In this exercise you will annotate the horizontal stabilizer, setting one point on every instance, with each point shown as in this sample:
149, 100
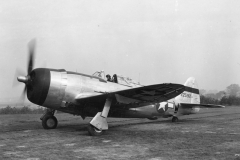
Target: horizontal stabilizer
190, 105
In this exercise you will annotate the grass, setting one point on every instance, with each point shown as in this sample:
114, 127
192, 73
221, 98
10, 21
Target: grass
211, 134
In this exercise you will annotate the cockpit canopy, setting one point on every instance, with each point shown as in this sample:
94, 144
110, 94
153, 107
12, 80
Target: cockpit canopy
117, 79
100, 74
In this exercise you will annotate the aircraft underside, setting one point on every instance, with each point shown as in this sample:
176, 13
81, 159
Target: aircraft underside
150, 111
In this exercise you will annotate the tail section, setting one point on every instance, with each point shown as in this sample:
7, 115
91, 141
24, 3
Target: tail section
189, 101
191, 93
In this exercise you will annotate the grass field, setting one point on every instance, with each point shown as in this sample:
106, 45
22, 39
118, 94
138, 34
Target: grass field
211, 134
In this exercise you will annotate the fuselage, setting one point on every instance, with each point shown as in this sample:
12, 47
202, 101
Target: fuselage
59, 89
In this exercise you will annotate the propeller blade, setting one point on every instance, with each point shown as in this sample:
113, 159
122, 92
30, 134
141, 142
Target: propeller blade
18, 72
22, 98
31, 46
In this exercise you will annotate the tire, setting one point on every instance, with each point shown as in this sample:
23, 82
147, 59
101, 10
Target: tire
49, 122
174, 119
93, 131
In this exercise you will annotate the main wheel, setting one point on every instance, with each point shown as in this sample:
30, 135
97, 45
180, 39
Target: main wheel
174, 119
93, 131
49, 122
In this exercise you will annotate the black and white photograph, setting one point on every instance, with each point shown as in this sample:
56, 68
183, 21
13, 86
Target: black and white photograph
120, 80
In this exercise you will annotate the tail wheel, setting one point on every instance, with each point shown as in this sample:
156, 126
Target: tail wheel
93, 131
49, 122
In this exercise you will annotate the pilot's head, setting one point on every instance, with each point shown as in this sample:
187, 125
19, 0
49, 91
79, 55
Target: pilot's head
108, 77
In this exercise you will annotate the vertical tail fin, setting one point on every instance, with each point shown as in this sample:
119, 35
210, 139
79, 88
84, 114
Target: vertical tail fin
191, 93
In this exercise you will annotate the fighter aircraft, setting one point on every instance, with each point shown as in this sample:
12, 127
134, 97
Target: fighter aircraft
100, 96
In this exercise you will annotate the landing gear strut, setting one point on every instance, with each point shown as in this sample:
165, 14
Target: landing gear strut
49, 121
175, 118
99, 123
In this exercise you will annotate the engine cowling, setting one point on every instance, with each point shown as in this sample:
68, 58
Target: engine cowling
46, 87
38, 85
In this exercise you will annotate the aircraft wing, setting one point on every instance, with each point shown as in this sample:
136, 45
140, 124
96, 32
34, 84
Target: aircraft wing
152, 93
190, 105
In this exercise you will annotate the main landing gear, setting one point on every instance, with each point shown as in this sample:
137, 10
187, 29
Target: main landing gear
49, 121
175, 118
99, 123
93, 131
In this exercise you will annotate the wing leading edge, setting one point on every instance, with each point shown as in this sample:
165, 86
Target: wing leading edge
152, 93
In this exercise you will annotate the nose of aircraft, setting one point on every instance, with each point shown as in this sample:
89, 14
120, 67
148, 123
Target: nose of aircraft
37, 85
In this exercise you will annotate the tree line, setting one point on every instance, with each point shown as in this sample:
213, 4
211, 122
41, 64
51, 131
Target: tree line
22, 110
229, 97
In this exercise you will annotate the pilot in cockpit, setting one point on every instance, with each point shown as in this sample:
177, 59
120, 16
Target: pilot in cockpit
108, 78
114, 78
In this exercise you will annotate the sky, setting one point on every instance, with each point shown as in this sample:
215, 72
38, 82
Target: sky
151, 41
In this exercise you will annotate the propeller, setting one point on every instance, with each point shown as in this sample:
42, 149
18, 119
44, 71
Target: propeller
31, 46
20, 74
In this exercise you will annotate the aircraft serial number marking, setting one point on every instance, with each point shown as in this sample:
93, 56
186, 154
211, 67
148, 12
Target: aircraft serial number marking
186, 95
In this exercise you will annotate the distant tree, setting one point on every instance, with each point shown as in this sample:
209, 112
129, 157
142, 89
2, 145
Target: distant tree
230, 100
233, 90
231, 96
220, 94
208, 100
5, 110
211, 95
234, 100
238, 94
224, 101
23, 110
217, 95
